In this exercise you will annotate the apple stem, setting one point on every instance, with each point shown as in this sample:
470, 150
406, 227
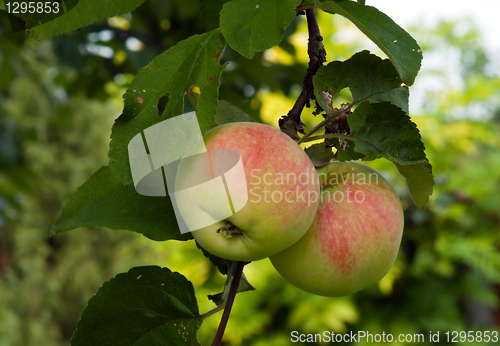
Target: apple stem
229, 303
229, 230
310, 138
329, 135
310, 133
331, 117
211, 312
291, 122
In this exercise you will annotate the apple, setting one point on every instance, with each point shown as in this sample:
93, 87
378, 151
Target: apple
281, 184
355, 237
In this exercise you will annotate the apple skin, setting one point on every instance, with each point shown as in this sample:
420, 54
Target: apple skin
355, 237
268, 225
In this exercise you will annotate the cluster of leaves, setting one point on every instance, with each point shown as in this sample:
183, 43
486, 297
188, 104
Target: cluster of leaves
379, 127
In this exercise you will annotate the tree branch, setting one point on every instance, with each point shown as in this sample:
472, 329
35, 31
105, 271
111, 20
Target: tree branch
291, 123
229, 303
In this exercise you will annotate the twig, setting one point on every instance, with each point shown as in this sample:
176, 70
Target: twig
333, 116
310, 133
291, 123
211, 312
229, 303
330, 135
343, 136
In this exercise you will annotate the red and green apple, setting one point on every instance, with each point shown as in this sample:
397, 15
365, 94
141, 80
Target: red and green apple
354, 238
282, 188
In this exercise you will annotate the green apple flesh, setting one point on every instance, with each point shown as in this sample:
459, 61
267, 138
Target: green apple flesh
355, 237
282, 187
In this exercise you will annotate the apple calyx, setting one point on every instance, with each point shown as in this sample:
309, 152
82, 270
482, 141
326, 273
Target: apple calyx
229, 230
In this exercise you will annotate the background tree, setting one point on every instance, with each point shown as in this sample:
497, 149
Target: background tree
60, 96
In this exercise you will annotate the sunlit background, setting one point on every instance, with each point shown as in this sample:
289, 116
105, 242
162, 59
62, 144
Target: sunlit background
59, 98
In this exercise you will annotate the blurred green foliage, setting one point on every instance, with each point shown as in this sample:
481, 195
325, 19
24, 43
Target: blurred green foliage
58, 100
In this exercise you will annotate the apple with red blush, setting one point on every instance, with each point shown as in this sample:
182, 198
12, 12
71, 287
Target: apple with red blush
281, 184
354, 238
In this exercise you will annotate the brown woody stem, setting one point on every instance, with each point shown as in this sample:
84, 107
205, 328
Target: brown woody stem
229, 303
291, 123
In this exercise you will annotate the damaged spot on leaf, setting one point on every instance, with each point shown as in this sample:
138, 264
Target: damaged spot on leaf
140, 99
162, 103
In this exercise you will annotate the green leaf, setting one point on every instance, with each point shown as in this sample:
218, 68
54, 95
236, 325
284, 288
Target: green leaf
146, 306
228, 113
251, 26
243, 286
384, 130
319, 154
210, 13
400, 47
419, 180
194, 61
84, 12
103, 201
221, 263
367, 76
347, 153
